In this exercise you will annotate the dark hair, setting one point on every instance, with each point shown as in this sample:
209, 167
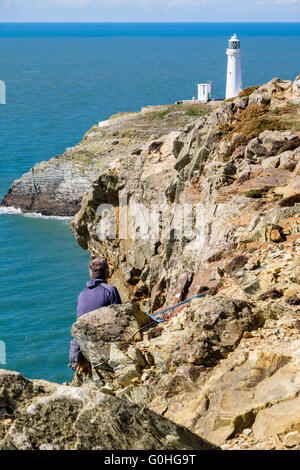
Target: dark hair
99, 268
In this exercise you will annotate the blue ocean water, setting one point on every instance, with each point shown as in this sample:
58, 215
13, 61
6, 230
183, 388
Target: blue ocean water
61, 79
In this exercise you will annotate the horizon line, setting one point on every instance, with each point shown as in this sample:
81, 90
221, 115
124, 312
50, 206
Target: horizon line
148, 22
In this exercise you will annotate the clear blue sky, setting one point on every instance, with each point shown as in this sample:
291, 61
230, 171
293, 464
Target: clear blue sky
149, 10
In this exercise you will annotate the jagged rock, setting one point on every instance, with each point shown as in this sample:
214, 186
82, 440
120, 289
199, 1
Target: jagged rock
270, 294
125, 369
292, 439
240, 103
59, 417
103, 334
277, 235
196, 177
214, 326
189, 370
288, 160
14, 390
230, 169
236, 263
248, 282
293, 300
267, 93
271, 162
278, 419
269, 143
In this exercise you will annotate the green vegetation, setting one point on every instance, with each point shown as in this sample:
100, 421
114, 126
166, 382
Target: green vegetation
196, 112
255, 193
163, 114
160, 114
128, 133
184, 109
248, 91
290, 108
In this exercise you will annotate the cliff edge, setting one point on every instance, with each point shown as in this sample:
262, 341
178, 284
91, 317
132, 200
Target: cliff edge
56, 187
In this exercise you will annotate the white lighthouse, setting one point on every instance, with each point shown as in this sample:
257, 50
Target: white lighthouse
234, 68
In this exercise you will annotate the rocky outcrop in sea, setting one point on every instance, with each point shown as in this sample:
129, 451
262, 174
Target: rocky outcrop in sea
211, 203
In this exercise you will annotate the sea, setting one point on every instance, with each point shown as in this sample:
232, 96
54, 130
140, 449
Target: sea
60, 80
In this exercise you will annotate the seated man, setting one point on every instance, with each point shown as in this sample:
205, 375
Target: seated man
97, 294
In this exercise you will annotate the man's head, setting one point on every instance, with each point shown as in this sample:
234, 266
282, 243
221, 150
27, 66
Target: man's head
99, 269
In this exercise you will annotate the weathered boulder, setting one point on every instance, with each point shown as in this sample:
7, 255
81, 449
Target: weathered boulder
269, 92
213, 327
269, 143
104, 334
281, 418
60, 417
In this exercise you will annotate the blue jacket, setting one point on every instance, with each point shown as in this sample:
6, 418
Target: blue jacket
97, 294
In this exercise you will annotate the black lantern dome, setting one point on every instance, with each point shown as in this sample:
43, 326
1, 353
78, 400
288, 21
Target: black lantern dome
234, 42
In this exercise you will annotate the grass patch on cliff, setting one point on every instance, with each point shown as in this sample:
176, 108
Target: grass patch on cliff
163, 114
256, 126
248, 91
160, 115
251, 122
256, 193
290, 117
198, 112
183, 109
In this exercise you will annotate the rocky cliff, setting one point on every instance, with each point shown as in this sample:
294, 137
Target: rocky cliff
227, 187
196, 199
56, 187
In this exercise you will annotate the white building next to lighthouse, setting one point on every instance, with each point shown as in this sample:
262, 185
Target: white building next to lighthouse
204, 92
234, 68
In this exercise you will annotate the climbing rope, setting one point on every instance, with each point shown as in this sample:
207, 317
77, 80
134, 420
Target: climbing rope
167, 314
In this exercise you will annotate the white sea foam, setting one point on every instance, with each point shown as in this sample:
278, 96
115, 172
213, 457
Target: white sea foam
33, 215
10, 210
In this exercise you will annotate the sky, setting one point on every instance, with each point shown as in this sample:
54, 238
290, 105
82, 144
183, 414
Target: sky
149, 10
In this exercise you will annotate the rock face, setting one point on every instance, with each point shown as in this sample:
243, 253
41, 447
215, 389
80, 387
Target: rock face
239, 168
220, 367
56, 187
236, 174
207, 203
120, 358
38, 415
